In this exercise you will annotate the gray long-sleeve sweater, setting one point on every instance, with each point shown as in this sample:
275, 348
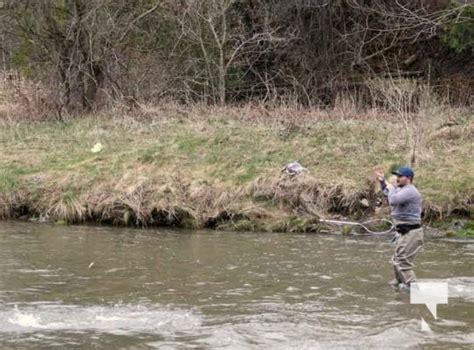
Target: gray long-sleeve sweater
405, 203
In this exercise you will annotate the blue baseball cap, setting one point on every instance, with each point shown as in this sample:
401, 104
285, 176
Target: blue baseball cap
404, 171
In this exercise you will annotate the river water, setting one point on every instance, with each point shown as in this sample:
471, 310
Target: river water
96, 287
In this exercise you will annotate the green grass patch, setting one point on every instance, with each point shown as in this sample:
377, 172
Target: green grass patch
10, 175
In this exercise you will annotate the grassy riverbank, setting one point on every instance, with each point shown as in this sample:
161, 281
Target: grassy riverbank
221, 168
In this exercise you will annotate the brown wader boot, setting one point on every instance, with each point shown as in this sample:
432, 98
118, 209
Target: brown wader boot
407, 246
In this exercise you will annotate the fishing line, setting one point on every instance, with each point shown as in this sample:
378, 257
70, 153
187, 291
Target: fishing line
363, 225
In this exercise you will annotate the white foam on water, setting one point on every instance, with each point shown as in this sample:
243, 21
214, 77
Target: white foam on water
24, 320
325, 277
33, 271
116, 319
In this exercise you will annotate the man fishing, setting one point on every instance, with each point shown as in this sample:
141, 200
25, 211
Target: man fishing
405, 202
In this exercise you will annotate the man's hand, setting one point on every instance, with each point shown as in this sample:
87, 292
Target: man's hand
379, 175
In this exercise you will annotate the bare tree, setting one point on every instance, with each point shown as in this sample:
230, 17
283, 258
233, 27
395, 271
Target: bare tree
83, 43
215, 30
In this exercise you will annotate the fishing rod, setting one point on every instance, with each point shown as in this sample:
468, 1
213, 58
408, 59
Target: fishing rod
363, 225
